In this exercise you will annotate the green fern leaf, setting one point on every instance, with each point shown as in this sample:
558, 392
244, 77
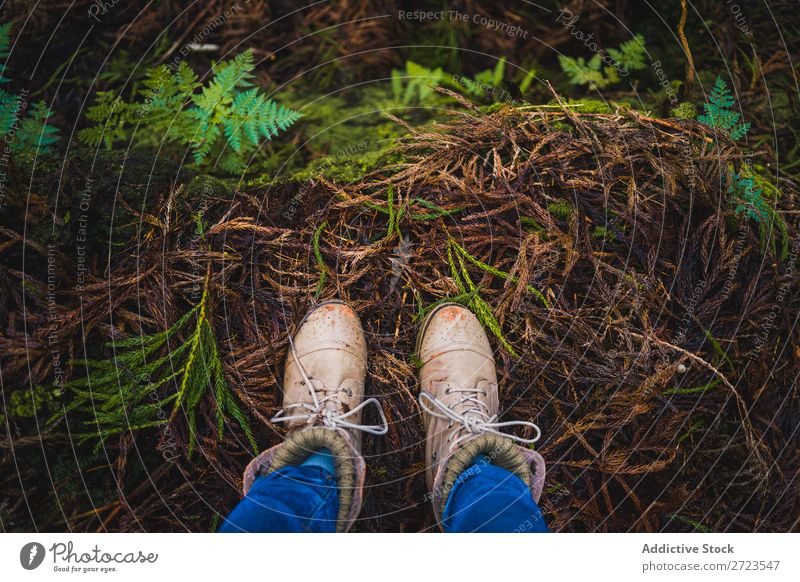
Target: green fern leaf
175, 107
630, 54
9, 107
749, 198
582, 73
5, 43
34, 135
718, 112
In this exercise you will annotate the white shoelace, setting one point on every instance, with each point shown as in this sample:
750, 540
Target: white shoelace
475, 420
328, 417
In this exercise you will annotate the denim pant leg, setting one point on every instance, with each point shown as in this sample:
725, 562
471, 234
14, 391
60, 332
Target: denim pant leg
488, 498
301, 498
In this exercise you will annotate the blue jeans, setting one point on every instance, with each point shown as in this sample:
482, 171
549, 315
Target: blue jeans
484, 498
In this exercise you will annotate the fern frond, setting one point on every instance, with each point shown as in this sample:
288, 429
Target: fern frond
253, 117
630, 54
175, 107
488, 78
5, 43
718, 112
9, 107
748, 197
749, 200
112, 114
34, 134
5, 39
416, 84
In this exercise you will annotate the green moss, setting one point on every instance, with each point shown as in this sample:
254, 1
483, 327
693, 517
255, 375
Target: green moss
26, 403
345, 169
203, 186
494, 107
562, 125
591, 106
685, 110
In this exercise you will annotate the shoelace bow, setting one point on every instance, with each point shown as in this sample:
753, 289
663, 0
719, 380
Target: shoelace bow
330, 418
476, 419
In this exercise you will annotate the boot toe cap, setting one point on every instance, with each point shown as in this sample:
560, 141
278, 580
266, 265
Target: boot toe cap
452, 327
331, 325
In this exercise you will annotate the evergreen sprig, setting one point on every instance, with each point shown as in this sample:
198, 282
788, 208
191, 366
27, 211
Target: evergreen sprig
320, 260
461, 251
34, 135
126, 392
469, 295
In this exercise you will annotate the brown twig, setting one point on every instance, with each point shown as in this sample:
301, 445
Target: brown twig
689, 76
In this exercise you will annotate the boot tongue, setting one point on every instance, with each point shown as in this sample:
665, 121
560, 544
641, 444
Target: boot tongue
323, 392
456, 398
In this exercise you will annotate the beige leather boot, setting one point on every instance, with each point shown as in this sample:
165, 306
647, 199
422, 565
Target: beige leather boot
460, 404
323, 401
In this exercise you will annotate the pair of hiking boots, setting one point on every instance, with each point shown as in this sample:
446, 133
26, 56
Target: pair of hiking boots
323, 404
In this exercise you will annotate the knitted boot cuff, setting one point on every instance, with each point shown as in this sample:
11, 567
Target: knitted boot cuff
302, 444
501, 452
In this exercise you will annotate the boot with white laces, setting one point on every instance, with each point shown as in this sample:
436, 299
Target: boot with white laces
323, 402
460, 404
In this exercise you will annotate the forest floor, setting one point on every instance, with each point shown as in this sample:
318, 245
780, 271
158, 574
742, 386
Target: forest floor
634, 265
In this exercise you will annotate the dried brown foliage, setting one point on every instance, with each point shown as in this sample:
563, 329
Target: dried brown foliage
632, 308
